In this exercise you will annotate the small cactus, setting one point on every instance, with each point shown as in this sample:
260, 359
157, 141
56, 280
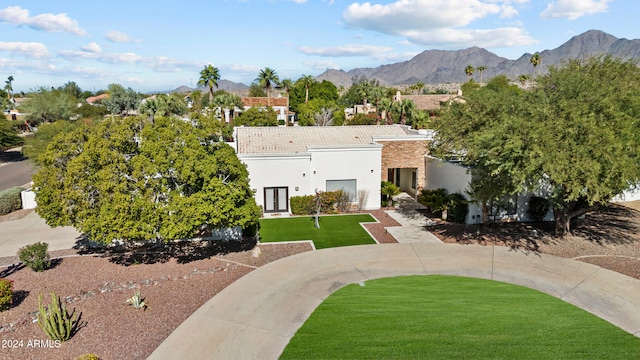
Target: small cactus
55, 320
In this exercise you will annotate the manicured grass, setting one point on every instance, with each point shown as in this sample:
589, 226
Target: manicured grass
445, 317
342, 230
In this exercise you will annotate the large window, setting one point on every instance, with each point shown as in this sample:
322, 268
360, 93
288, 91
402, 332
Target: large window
276, 199
347, 185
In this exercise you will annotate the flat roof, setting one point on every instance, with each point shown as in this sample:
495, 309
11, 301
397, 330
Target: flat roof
295, 139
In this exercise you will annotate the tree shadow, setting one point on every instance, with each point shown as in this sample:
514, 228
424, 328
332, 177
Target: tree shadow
182, 251
613, 224
516, 236
12, 269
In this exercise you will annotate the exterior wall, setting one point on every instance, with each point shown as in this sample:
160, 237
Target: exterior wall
341, 163
455, 178
404, 154
281, 170
302, 174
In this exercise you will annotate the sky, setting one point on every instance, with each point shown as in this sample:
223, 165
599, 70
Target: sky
161, 45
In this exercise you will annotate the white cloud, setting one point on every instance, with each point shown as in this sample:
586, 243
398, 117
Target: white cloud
27, 49
92, 47
404, 15
119, 37
16, 15
299, 1
573, 9
454, 38
321, 65
439, 22
167, 64
345, 50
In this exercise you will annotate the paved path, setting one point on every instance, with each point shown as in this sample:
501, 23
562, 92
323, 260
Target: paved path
412, 229
255, 317
15, 234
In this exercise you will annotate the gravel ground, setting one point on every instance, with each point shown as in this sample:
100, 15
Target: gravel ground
609, 238
178, 283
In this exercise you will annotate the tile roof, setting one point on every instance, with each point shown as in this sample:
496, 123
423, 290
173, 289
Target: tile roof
264, 101
429, 102
295, 139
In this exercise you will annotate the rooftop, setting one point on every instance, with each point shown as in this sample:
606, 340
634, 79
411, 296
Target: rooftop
295, 139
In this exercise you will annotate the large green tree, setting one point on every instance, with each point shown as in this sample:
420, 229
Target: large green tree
257, 116
575, 135
121, 100
133, 180
8, 136
37, 144
46, 105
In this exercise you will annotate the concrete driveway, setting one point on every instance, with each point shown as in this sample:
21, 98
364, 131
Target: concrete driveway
15, 234
255, 317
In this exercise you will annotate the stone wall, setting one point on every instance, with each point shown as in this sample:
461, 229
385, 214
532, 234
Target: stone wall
404, 154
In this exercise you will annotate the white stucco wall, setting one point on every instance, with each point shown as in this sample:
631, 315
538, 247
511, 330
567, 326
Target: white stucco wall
306, 172
278, 170
455, 179
353, 162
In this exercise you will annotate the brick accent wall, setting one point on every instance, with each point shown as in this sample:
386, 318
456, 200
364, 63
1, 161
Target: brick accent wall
404, 154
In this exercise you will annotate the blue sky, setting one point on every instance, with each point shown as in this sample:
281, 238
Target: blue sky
163, 44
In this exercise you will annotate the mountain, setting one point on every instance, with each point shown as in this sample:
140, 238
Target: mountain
439, 66
222, 85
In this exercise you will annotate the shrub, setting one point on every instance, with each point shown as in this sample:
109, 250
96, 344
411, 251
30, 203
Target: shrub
10, 200
55, 320
388, 191
302, 205
538, 208
35, 256
435, 200
6, 294
343, 201
458, 208
88, 357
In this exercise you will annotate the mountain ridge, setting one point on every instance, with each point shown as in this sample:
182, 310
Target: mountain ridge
447, 66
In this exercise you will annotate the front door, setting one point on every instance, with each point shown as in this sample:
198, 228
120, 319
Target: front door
276, 199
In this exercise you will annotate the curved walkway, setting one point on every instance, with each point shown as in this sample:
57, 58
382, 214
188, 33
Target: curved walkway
255, 317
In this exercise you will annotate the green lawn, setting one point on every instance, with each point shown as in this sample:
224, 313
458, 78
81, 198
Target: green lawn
342, 230
445, 317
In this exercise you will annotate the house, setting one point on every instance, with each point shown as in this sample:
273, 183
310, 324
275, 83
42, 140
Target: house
279, 104
429, 102
291, 161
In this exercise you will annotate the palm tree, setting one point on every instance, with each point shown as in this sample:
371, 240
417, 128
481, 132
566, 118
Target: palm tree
469, 70
481, 70
307, 80
386, 107
286, 84
229, 102
535, 61
404, 108
8, 87
266, 77
209, 76
523, 79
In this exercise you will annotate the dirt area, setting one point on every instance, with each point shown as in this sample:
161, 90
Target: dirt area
96, 287
177, 282
609, 238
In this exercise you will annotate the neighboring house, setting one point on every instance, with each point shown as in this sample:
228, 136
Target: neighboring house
93, 99
359, 109
279, 104
291, 161
430, 102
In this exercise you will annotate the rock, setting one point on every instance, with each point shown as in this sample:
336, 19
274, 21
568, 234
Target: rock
256, 252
